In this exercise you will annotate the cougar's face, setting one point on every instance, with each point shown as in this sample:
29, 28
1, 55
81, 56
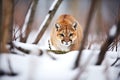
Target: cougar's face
66, 33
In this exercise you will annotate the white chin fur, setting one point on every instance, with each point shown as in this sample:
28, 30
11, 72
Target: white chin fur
66, 43
63, 46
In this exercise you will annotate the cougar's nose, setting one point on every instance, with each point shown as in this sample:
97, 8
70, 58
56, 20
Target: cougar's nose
66, 40
66, 43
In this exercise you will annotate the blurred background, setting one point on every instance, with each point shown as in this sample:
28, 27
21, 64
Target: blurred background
104, 17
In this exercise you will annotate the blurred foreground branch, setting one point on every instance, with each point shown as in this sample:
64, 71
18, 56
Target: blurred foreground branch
86, 30
48, 19
6, 25
10, 70
107, 43
0, 24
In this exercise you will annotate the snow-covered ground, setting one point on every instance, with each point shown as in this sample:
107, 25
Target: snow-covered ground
34, 66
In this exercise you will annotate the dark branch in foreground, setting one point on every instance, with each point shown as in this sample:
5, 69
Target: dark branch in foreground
116, 61
20, 48
108, 42
2, 73
89, 19
48, 19
11, 73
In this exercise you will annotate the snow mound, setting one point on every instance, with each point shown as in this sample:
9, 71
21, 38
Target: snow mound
44, 67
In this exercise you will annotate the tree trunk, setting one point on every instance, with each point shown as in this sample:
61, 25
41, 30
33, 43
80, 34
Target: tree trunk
0, 24
6, 25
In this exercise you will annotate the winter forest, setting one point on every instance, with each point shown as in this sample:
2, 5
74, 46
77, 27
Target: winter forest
26, 52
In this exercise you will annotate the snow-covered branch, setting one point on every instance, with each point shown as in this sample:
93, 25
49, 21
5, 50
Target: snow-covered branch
29, 49
48, 19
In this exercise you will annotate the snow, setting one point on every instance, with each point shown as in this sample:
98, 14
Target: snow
113, 30
42, 67
99, 73
34, 50
53, 5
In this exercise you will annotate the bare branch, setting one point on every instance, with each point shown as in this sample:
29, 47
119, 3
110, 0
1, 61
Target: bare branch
29, 25
48, 19
26, 10
89, 19
114, 44
118, 58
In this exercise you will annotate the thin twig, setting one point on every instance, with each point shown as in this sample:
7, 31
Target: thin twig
49, 44
118, 58
15, 32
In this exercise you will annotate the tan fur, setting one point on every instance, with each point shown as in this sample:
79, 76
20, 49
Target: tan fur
66, 33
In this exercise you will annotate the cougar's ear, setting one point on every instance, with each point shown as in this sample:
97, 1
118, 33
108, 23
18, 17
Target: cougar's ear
57, 26
74, 25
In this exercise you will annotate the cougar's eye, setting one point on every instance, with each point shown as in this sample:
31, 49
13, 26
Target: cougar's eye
62, 35
71, 34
